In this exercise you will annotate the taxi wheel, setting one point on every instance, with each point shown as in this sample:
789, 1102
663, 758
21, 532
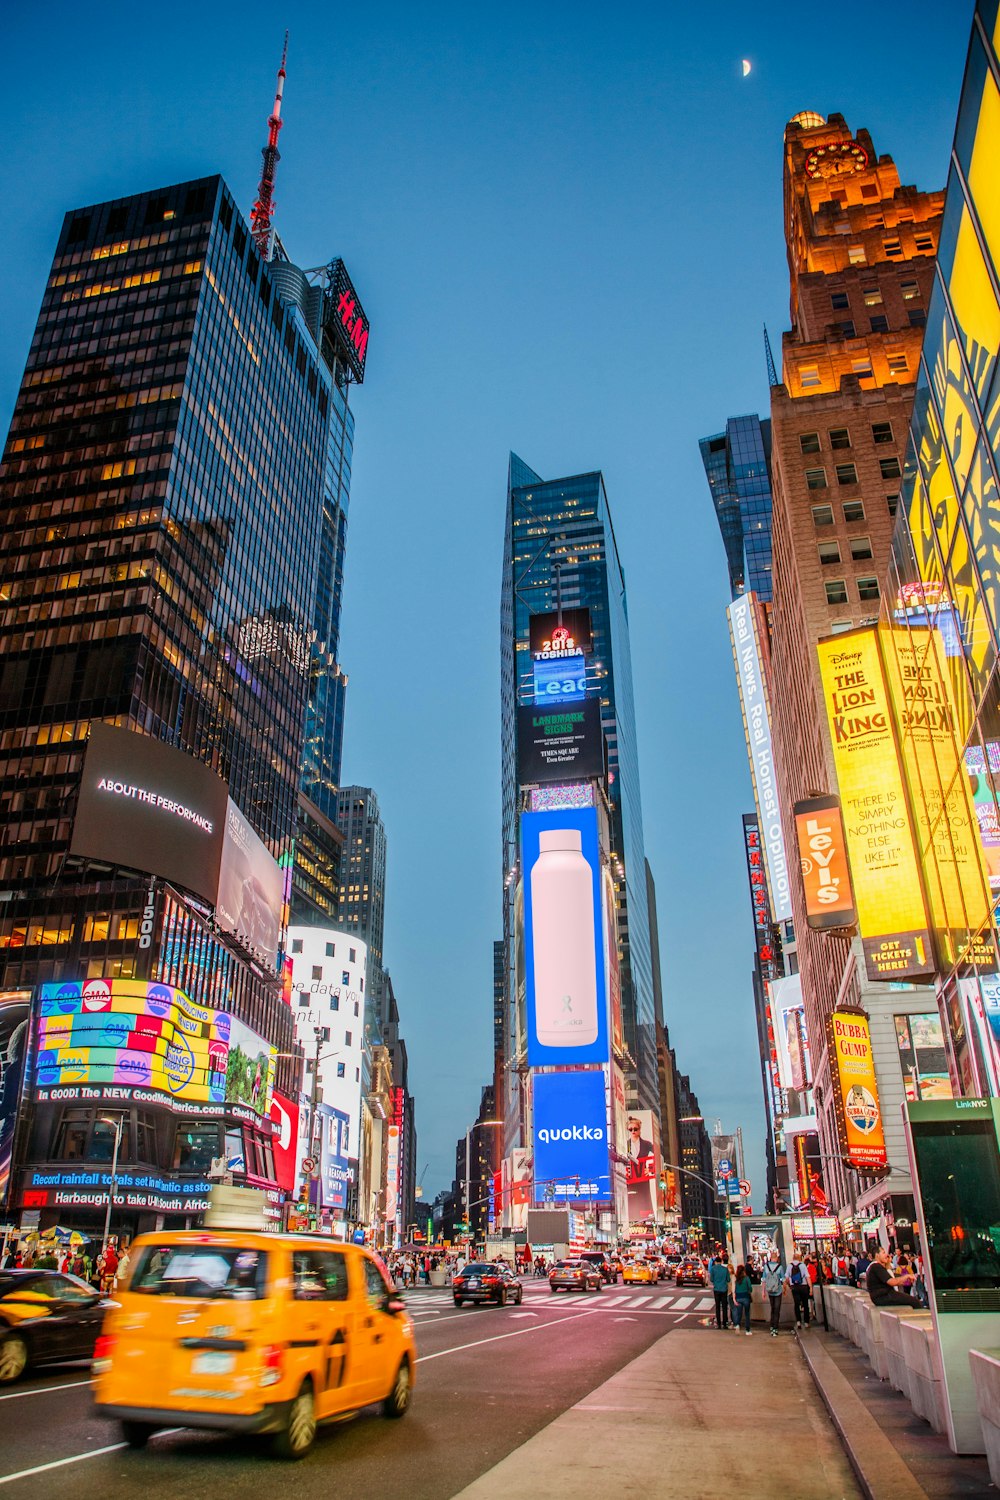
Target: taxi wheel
13, 1358
299, 1432
137, 1434
458, 1301
398, 1399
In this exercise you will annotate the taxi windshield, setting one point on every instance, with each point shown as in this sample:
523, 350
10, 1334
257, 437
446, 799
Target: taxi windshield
200, 1271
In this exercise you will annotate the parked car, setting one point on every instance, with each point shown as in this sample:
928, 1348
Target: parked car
639, 1271
575, 1276
599, 1258
690, 1273
46, 1316
482, 1281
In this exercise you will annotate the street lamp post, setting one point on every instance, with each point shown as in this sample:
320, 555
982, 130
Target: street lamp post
117, 1125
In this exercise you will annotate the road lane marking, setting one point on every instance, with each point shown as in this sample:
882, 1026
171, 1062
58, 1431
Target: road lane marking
684, 1302
638, 1301
614, 1301
495, 1339
75, 1458
40, 1390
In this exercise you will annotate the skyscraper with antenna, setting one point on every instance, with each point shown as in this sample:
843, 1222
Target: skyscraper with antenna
260, 214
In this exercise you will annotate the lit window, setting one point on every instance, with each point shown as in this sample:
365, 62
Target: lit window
840, 437
809, 442
867, 588
853, 510
816, 479
872, 296
862, 367
822, 515
910, 290
881, 432
829, 552
861, 548
836, 592
856, 255
898, 364
847, 474
809, 377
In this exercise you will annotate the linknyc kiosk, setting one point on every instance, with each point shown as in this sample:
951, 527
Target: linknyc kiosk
954, 1150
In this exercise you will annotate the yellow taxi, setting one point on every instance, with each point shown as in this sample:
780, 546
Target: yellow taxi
638, 1270
245, 1331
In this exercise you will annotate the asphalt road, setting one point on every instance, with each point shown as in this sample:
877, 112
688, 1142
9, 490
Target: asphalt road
487, 1380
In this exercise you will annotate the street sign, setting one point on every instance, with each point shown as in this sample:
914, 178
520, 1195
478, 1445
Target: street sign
744, 1187
358, 1236
309, 1164
725, 1166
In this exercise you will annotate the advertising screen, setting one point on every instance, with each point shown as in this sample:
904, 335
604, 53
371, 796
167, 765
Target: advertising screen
922, 1056
826, 876
335, 1166
135, 1189
251, 888
552, 634
888, 892
642, 1164
855, 1090
982, 762
15, 1010
757, 724
560, 743
565, 998
250, 1066
788, 1018
146, 806
572, 1163
284, 1141
561, 679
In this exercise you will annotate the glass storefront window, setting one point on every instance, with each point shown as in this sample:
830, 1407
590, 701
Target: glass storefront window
196, 1146
102, 1139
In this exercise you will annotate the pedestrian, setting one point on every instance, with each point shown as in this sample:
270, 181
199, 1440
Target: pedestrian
841, 1269
773, 1282
798, 1281
742, 1298
720, 1276
882, 1286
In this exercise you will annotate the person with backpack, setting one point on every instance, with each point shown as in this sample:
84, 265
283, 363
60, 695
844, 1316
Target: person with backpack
773, 1281
841, 1269
742, 1298
720, 1276
801, 1289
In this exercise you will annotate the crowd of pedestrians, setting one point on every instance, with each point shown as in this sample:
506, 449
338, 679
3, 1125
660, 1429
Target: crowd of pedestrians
103, 1270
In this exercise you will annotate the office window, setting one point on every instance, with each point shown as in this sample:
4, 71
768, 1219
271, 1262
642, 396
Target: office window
837, 627
341, 1069
879, 324
867, 588
856, 255
892, 246
809, 442
917, 317
816, 479
890, 468
881, 432
836, 591
840, 437
352, 955
898, 364
317, 971
872, 296
348, 1038
829, 552
924, 243
303, 997
892, 503
296, 945
331, 949
847, 474
822, 515
862, 367
839, 301
345, 977
335, 1000
861, 548
910, 291
809, 377
847, 330
853, 511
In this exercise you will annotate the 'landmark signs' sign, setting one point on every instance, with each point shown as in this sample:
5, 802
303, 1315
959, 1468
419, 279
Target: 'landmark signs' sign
563, 743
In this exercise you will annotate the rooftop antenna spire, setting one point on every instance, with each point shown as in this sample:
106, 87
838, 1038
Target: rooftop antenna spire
260, 214
772, 374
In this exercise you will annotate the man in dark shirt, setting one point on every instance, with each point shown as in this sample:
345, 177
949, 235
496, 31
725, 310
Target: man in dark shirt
881, 1286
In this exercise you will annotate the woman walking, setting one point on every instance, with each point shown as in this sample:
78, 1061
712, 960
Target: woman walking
742, 1298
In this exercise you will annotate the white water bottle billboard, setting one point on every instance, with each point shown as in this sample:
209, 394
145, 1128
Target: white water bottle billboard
563, 940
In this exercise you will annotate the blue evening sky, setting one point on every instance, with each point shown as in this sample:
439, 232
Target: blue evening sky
564, 221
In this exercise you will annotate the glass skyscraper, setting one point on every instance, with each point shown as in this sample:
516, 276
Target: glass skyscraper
560, 549
738, 468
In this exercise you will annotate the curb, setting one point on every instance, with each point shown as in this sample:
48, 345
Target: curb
880, 1471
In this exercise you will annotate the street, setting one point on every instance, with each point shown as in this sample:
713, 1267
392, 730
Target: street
488, 1380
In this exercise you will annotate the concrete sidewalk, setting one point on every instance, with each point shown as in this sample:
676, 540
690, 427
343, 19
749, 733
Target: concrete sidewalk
699, 1415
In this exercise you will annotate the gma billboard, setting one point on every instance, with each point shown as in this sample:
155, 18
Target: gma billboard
855, 1091
878, 828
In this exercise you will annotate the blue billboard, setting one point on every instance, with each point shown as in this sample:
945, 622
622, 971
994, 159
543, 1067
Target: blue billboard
571, 1137
565, 993
560, 679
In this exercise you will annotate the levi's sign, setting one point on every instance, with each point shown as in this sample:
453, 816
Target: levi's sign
826, 878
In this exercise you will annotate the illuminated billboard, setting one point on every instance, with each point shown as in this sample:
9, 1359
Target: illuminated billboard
145, 806
757, 725
922, 1056
564, 633
888, 891
560, 743
572, 1163
15, 1011
565, 997
122, 1038
788, 1019
561, 679
855, 1091
642, 1164
826, 875
251, 888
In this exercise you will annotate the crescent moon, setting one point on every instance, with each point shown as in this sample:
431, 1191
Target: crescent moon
746, 67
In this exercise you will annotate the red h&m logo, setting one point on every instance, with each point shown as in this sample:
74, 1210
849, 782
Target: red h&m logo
355, 324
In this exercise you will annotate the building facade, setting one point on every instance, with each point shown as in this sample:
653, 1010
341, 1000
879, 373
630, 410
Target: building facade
738, 469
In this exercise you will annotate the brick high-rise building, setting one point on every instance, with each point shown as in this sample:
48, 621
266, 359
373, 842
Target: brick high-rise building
861, 250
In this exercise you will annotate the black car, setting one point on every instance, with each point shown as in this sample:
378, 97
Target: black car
481, 1281
599, 1259
46, 1316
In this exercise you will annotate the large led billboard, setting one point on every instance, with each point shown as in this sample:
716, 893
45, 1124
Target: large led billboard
572, 1163
122, 1038
560, 743
145, 806
565, 997
642, 1164
564, 633
788, 1018
855, 1091
560, 679
757, 725
251, 888
826, 875
888, 890
15, 1010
